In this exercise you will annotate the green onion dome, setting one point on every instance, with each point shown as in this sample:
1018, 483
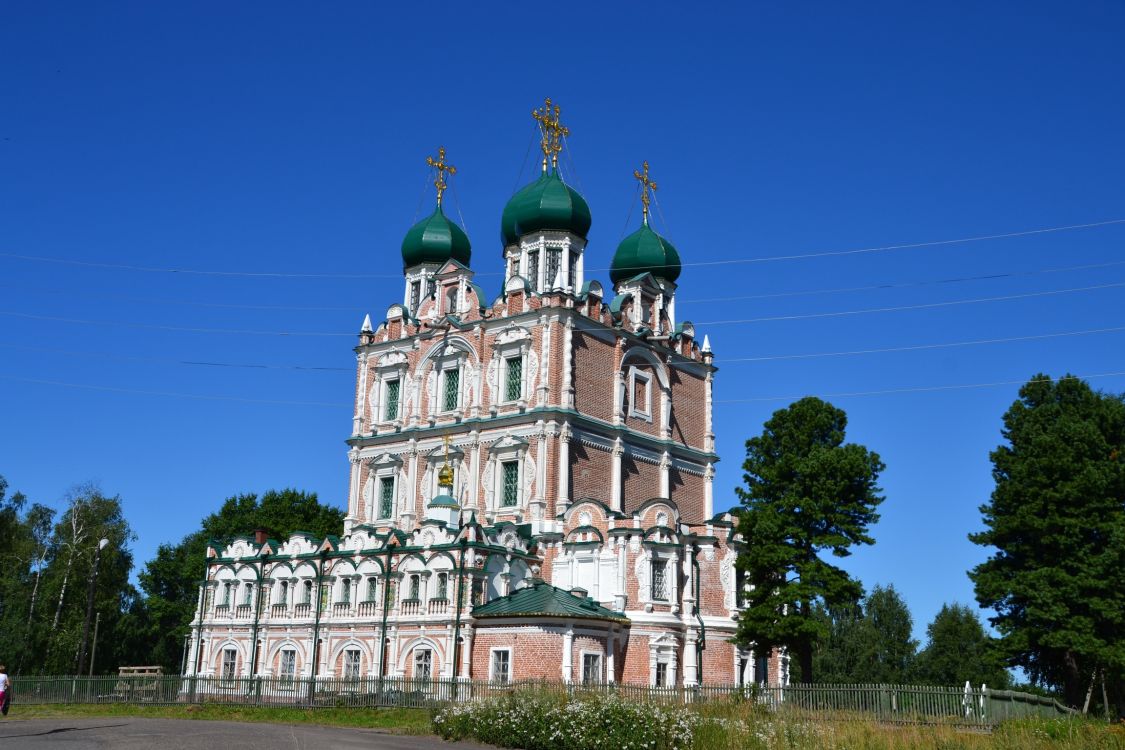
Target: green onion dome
645, 251
435, 239
547, 203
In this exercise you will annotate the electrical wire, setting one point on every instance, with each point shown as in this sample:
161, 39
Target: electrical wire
153, 326
899, 308
801, 256
921, 389
169, 394
167, 360
921, 347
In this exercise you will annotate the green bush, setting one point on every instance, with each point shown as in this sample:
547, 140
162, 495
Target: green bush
538, 721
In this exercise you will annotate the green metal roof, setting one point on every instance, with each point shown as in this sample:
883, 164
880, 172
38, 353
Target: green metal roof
547, 203
435, 239
645, 251
541, 599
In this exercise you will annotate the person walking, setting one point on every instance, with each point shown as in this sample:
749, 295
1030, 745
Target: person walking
5, 690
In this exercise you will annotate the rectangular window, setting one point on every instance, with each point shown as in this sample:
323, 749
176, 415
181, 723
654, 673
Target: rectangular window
288, 666
533, 270
324, 594
226, 595
572, 278
514, 385
661, 676
478, 592
511, 484
247, 594
415, 587
386, 496
372, 588
415, 297
423, 663
351, 664
659, 581
442, 586
501, 665
452, 390
308, 593
345, 591
554, 260
591, 669
230, 662
390, 413
283, 593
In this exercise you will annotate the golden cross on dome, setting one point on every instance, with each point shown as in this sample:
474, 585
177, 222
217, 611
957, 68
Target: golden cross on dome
442, 167
646, 186
551, 129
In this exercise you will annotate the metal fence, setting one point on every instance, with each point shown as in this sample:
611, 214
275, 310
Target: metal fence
895, 703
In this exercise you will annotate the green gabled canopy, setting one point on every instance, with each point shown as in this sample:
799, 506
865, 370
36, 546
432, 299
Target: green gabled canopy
541, 599
435, 239
444, 501
547, 203
645, 251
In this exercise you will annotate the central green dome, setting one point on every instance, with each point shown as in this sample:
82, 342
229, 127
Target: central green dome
645, 251
547, 203
435, 239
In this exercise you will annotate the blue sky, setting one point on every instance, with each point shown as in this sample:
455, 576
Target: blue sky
291, 138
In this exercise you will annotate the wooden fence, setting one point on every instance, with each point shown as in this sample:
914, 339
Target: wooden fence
895, 703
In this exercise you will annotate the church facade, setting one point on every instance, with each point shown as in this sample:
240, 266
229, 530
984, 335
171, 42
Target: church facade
530, 489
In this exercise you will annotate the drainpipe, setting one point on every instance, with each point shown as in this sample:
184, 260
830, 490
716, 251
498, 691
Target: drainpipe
316, 623
386, 611
699, 617
457, 620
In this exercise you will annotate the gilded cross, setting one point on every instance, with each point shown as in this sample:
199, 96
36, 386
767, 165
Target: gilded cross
442, 167
646, 186
552, 131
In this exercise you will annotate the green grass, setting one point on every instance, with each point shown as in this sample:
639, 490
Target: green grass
396, 720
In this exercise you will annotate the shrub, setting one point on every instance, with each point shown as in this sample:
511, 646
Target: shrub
539, 721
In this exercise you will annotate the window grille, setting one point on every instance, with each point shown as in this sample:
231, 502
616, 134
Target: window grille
554, 260
324, 593
533, 270
386, 496
230, 662
391, 412
452, 387
443, 586
659, 581
591, 669
345, 591
501, 665
514, 387
351, 664
511, 489
288, 666
423, 664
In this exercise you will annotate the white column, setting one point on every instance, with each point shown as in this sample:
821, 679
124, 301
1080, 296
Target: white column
568, 364
708, 491
412, 484
581, 272
466, 653
618, 392
354, 494
615, 476
474, 463
568, 654
359, 420
563, 500
708, 405
544, 390
665, 470
478, 389
610, 653
691, 672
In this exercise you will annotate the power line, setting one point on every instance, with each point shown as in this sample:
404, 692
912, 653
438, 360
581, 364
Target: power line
908, 246
153, 326
170, 394
82, 293
163, 360
729, 261
924, 306
909, 284
920, 347
921, 389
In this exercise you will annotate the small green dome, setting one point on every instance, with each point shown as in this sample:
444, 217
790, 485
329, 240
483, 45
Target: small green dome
645, 251
444, 501
547, 203
435, 239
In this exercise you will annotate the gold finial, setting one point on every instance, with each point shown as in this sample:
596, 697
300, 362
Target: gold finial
646, 186
440, 165
445, 473
552, 130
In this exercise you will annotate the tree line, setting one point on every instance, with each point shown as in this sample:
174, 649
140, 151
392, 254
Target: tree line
1055, 576
49, 567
